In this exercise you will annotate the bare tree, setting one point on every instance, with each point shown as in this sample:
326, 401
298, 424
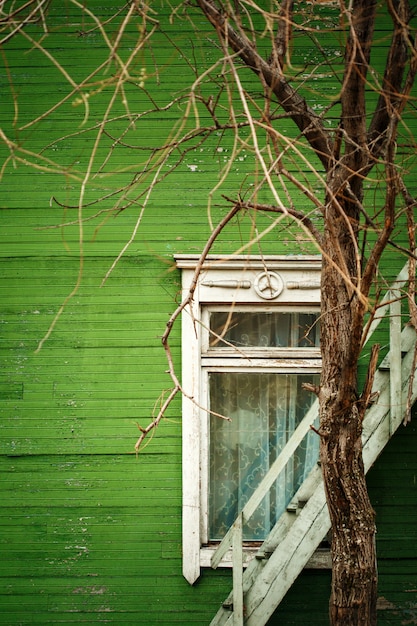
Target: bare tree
348, 155
352, 141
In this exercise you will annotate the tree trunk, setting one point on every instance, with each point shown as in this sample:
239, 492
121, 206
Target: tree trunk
354, 569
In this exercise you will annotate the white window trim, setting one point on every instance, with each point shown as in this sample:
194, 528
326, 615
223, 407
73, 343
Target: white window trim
224, 281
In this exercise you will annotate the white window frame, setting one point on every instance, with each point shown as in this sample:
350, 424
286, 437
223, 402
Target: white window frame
237, 281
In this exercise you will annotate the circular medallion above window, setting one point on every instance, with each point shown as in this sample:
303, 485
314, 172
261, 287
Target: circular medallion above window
268, 285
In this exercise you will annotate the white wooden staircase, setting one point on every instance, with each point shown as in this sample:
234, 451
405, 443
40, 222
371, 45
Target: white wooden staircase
259, 589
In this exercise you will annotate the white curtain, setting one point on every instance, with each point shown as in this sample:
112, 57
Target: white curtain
264, 329
264, 409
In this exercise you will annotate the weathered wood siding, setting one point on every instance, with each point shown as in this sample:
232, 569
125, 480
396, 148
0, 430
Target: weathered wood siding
90, 533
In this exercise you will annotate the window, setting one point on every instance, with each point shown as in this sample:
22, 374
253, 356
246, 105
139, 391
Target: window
250, 341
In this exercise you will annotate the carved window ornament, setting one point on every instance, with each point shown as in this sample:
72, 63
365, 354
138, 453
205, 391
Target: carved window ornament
250, 340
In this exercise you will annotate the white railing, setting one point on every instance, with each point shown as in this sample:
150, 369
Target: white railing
391, 305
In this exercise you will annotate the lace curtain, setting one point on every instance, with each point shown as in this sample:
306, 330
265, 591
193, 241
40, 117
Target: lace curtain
264, 409
264, 329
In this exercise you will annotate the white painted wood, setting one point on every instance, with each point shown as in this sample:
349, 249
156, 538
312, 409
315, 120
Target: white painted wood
395, 356
190, 440
233, 261
278, 536
225, 279
238, 572
378, 432
201, 473
312, 365
283, 566
288, 560
376, 416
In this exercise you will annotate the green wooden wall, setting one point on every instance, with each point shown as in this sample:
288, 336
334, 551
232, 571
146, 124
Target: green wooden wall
90, 533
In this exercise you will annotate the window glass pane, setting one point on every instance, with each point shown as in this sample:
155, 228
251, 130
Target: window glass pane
264, 409
264, 329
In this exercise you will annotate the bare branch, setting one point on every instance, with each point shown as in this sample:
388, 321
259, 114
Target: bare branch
358, 49
366, 395
283, 36
165, 337
393, 94
299, 216
371, 266
295, 105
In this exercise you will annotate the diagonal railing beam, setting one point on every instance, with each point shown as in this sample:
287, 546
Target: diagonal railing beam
268, 480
